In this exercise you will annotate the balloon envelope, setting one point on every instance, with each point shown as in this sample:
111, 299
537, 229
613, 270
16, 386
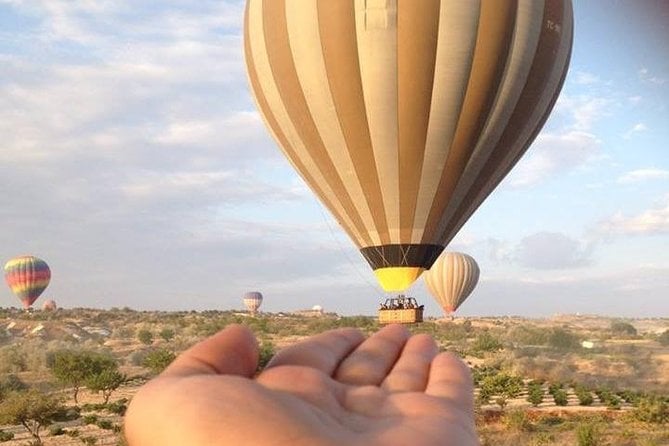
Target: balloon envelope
49, 305
452, 279
28, 277
252, 301
403, 115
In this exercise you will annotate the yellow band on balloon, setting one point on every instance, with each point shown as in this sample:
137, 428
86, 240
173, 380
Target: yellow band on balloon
397, 278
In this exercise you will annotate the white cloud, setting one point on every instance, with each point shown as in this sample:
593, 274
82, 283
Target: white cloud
635, 99
585, 78
583, 111
553, 154
637, 128
552, 250
639, 175
650, 222
646, 76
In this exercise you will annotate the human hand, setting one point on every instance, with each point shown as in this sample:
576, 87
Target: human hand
335, 388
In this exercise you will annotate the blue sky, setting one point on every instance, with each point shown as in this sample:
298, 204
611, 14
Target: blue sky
132, 159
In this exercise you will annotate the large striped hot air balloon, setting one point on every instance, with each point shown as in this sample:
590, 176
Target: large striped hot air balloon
452, 279
403, 115
252, 301
28, 277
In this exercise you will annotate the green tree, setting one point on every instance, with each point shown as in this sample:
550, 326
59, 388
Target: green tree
106, 381
623, 328
145, 337
535, 395
560, 397
74, 368
31, 409
158, 360
562, 339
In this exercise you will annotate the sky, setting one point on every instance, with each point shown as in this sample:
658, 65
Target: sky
133, 160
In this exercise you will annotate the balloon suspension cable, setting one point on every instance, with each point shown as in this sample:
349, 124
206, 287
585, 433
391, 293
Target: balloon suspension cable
372, 285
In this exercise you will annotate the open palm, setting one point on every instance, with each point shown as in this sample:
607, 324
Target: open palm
336, 388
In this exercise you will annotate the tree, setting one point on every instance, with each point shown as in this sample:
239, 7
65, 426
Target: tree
145, 337
560, 397
32, 409
74, 368
623, 328
562, 339
106, 381
535, 395
158, 360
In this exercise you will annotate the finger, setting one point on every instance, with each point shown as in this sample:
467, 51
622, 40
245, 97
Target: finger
372, 360
451, 379
323, 352
412, 369
231, 351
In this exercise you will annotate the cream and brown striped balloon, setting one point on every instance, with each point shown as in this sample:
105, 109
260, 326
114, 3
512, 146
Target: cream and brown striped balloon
403, 115
451, 279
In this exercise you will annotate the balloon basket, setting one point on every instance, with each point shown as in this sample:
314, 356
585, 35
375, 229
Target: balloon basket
400, 310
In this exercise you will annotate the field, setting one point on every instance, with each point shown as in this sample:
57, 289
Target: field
581, 380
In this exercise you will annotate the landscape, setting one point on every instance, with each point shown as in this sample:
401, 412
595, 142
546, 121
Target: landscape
568, 379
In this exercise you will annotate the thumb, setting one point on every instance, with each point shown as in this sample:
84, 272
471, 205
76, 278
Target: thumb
231, 351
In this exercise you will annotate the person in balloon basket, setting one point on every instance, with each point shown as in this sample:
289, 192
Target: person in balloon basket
335, 388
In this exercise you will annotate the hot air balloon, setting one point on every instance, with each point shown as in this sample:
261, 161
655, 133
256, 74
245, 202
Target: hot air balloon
28, 277
452, 279
49, 305
403, 115
252, 301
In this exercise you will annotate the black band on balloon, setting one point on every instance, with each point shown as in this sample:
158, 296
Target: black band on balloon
386, 256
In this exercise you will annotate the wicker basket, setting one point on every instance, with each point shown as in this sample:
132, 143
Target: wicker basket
391, 314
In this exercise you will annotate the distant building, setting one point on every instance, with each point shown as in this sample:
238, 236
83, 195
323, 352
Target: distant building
588, 344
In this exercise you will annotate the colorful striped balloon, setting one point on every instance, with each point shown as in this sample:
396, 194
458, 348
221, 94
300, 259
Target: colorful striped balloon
252, 301
28, 277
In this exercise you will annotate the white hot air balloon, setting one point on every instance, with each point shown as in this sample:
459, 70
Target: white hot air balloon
452, 279
252, 301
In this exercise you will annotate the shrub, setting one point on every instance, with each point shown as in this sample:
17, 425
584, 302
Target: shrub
535, 395
5, 436
105, 424
56, 430
90, 419
158, 360
588, 434
266, 354
502, 384
562, 339
560, 397
584, 396
145, 337
517, 420
485, 342
167, 334
652, 410
663, 339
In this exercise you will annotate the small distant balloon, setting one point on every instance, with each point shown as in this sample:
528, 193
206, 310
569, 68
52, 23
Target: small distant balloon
452, 279
49, 305
27, 277
252, 301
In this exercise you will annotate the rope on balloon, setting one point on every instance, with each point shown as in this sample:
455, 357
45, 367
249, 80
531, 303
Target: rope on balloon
343, 251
